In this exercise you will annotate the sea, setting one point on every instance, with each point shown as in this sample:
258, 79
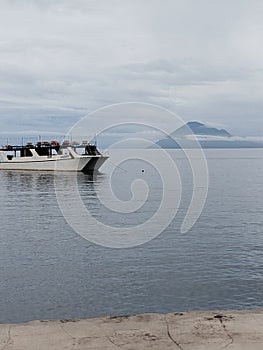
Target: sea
51, 270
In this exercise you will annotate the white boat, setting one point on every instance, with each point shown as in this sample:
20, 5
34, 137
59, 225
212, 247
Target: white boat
51, 156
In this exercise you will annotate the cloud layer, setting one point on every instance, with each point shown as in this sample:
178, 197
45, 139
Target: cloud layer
60, 60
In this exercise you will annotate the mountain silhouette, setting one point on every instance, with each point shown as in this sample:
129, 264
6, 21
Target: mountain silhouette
208, 137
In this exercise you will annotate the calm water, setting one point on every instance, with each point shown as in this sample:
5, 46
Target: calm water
50, 272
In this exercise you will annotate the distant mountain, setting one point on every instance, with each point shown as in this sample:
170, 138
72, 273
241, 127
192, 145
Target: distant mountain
208, 137
201, 129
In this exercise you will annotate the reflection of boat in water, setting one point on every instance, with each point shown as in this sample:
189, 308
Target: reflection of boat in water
52, 156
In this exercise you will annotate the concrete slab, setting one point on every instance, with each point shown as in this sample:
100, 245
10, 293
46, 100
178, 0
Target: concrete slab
211, 330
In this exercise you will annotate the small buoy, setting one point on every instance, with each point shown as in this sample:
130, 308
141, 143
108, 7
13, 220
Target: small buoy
142, 170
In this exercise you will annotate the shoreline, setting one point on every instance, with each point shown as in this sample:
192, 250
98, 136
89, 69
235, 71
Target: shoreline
211, 330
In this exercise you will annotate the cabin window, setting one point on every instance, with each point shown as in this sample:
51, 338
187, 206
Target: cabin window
44, 151
25, 152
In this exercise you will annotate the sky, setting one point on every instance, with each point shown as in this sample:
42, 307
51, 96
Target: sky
60, 60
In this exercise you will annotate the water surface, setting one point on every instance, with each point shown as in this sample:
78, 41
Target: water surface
50, 272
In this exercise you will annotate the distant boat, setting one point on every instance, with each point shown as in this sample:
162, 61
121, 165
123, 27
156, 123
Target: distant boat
51, 156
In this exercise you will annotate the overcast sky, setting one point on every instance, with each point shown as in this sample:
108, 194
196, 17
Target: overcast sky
202, 59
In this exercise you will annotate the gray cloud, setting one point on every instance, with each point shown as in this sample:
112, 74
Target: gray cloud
60, 60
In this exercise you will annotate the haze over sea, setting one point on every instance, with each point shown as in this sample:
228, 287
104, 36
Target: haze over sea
48, 271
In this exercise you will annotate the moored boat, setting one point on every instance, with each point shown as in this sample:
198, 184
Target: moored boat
51, 156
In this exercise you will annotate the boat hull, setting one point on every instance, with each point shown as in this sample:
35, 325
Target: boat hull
84, 163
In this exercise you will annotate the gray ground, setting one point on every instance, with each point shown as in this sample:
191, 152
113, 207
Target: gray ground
212, 330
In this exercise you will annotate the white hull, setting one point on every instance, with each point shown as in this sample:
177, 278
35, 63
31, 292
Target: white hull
71, 162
